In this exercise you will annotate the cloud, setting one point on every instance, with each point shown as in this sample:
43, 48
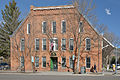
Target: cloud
107, 11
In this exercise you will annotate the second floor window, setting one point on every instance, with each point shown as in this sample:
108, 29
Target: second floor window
28, 28
22, 44
54, 27
63, 26
44, 27
54, 44
88, 44
63, 44
36, 44
71, 42
44, 44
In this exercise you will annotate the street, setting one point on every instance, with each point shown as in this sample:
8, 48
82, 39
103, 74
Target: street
26, 76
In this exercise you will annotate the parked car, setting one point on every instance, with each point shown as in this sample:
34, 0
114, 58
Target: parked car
4, 66
118, 66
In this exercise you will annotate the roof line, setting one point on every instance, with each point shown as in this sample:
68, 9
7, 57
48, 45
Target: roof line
108, 42
58, 7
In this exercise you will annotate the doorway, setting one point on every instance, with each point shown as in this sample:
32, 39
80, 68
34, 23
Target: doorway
53, 63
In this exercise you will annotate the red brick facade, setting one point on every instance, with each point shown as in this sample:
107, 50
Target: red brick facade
35, 18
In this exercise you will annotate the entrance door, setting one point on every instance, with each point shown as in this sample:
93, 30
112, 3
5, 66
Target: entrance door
54, 64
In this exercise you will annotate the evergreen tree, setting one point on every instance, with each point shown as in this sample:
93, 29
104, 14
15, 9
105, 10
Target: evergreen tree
10, 22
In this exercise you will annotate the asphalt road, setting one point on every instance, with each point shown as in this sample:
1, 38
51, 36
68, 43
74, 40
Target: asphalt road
55, 77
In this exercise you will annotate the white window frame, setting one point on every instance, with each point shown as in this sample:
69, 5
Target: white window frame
35, 44
21, 61
42, 43
42, 62
62, 44
69, 63
21, 44
35, 61
42, 27
62, 26
54, 49
86, 62
52, 26
86, 44
80, 26
65, 63
28, 28
69, 44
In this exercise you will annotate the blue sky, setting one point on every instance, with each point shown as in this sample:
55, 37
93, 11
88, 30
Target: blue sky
107, 11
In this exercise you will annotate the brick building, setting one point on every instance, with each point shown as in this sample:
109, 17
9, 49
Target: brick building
46, 38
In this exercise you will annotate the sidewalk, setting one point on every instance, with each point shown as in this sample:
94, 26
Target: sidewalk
60, 73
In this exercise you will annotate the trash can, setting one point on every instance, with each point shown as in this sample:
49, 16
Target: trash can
83, 70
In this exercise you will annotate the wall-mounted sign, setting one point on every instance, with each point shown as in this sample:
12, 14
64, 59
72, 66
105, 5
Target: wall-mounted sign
53, 54
32, 59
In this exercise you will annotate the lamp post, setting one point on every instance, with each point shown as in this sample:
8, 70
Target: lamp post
116, 61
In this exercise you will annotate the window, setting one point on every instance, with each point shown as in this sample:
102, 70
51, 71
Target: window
54, 27
28, 28
70, 62
54, 44
22, 43
71, 44
22, 61
44, 26
87, 62
36, 44
80, 26
44, 61
36, 61
63, 62
88, 43
44, 44
63, 44
63, 26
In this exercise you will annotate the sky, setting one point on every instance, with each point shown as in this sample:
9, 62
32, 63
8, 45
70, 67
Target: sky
107, 11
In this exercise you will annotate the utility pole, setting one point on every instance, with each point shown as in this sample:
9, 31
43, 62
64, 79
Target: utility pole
116, 61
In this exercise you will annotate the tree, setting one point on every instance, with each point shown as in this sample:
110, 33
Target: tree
81, 8
10, 22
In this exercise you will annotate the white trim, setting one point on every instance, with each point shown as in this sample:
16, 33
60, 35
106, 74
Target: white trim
61, 44
47, 8
62, 26
42, 43
52, 27
108, 42
35, 44
86, 63
21, 45
42, 26
69, 44
28, 27
85, 44
65, 63
42, 61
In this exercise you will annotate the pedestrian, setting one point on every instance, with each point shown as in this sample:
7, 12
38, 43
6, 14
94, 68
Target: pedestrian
107, 67
95, 68
113, 67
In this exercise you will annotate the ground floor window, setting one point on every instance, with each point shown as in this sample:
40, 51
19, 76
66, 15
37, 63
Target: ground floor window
22, 61
43, 61
71, 62
36, 61
63, 62
88, 62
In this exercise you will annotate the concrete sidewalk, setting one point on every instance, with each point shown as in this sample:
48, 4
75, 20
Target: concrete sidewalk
60, 73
